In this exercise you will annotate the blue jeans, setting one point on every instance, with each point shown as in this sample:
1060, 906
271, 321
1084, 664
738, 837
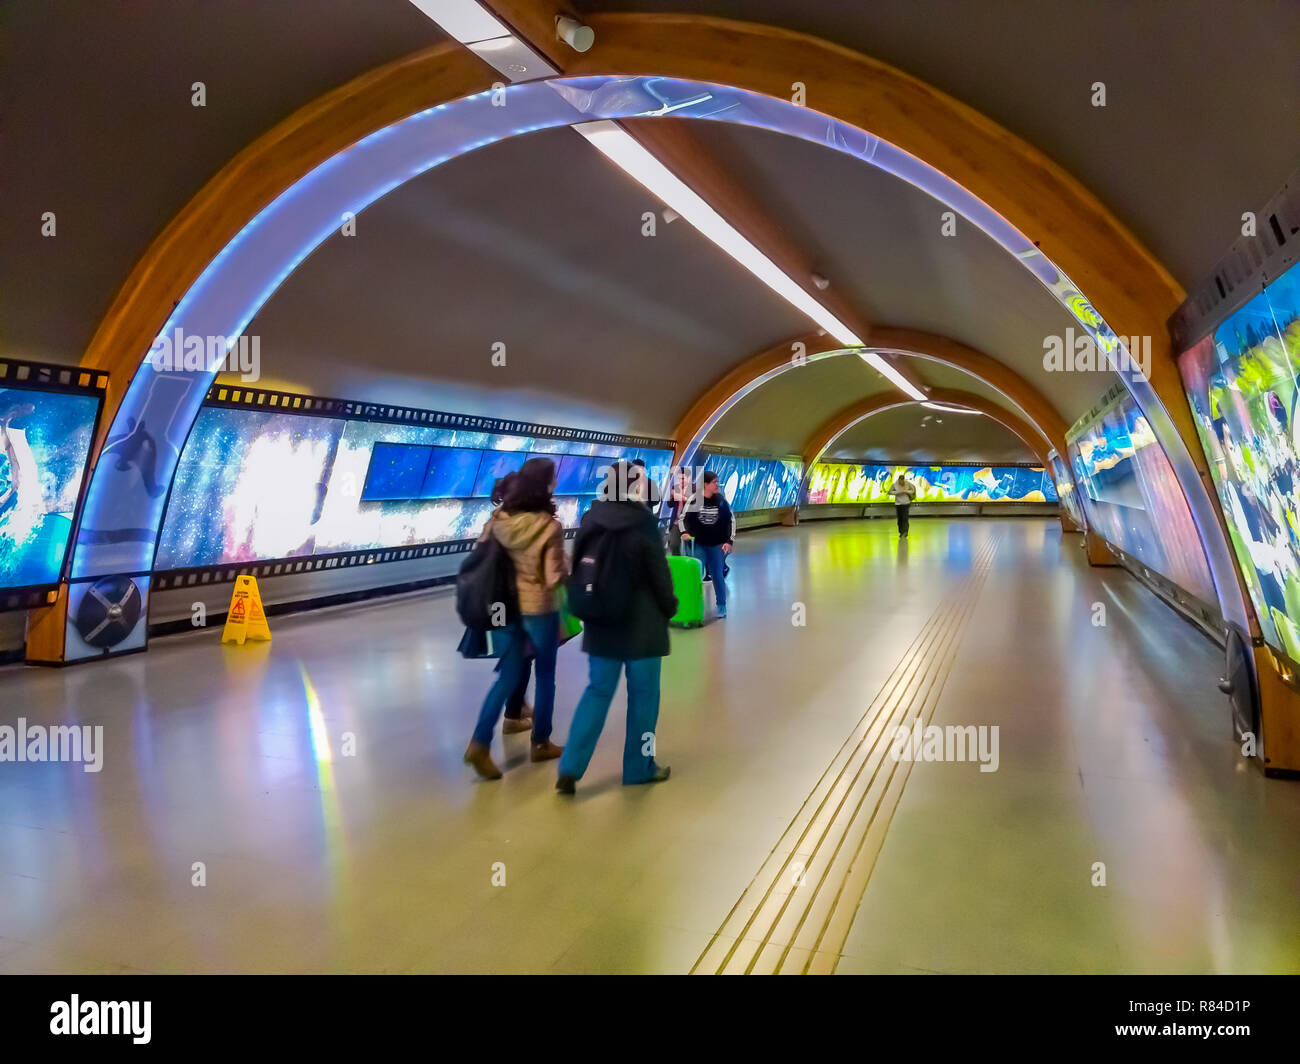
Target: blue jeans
543, 629
714, 560
642, 716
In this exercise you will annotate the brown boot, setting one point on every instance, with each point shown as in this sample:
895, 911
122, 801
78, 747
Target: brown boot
480, 757
515, 725
546, 751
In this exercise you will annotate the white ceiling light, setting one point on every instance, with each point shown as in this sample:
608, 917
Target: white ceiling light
511, 57
892, 375
950, 408
466, 20
616, 144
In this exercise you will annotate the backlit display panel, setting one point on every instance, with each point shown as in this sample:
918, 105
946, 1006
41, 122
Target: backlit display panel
45, 440
832, 482
1132, 498
253, 485
1241, 383
1065, 490
753, 483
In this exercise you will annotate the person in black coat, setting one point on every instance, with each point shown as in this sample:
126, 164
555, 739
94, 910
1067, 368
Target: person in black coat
636, 641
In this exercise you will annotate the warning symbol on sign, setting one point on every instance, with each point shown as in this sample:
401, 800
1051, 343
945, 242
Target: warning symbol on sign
246, 619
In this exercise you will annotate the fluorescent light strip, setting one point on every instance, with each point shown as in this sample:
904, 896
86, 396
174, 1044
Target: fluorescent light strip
951, 409
465, 20
892, 375
616, 144
621, 148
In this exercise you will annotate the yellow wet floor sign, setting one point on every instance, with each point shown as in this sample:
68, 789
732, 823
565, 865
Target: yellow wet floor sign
246, 619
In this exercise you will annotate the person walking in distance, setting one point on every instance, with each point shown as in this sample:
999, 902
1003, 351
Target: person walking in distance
623, 593
707, 519
903, 491
526, 525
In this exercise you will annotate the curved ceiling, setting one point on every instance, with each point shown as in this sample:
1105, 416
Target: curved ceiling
913, 434
786, 412
1188, 139
781, 415
536, 243
95, 106
881, 243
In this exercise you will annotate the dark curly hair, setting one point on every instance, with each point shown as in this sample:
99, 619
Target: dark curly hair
529, 490
500, 488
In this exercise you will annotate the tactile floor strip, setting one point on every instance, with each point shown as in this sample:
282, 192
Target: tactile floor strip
796, 914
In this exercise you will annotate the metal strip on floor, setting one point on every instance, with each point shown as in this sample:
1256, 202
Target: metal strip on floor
796, 914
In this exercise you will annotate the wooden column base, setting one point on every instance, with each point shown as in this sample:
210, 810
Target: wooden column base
1098, 552
47, 629
1279, 716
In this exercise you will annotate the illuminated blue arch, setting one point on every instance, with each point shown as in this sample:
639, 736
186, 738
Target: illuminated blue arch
127, 493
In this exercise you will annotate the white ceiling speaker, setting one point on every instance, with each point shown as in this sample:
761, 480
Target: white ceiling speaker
670, 215
820, 283
574, 33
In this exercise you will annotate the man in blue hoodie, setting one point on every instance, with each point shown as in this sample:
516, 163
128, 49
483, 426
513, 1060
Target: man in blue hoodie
708, 520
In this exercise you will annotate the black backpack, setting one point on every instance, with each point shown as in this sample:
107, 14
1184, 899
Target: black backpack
486, 596
600, 586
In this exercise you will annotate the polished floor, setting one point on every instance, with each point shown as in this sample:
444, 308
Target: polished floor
315, 786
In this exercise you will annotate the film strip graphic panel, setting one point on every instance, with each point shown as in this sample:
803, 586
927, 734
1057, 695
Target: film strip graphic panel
248, 398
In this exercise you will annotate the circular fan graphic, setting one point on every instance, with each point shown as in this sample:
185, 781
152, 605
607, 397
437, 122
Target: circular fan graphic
109, 611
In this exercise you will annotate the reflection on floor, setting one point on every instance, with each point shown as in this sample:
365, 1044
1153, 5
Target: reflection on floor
316, 786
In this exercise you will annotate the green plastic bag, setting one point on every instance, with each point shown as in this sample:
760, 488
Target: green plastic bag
569, 624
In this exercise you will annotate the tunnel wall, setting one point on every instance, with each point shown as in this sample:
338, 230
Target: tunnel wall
1131, 498
848, 483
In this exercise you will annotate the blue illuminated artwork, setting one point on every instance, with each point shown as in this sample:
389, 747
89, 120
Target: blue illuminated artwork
397, 471
45, 440
572, 474
843, 483
1065, 490
452, 473
1243, 384
494, 466
753, 483
1133, 500
254, 486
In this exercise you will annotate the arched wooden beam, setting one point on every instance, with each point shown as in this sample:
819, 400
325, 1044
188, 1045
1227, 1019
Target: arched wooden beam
720, 396
1036, 407
1070, 226
843, 420
840, 422
743, 378
1125, 283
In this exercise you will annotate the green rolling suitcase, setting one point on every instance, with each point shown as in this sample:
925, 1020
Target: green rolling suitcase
688, 586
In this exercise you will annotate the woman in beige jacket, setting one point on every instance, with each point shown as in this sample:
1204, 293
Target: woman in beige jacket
526, 525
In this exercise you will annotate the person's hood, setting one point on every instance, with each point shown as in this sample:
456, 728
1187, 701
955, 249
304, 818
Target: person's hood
522, 530
617, 516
